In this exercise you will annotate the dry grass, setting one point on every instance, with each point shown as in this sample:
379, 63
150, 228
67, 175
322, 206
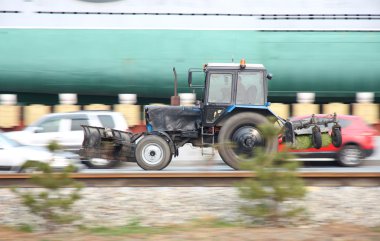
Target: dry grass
195, 231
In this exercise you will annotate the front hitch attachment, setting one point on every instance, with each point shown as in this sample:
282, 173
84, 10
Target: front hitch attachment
313, 126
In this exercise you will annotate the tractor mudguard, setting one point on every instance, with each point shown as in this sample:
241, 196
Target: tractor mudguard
173, 147
260, 109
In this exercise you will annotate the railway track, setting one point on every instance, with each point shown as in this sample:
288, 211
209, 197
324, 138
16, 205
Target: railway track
190, 178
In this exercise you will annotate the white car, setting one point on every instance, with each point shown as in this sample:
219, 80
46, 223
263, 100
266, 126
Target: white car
14, 155
65, 128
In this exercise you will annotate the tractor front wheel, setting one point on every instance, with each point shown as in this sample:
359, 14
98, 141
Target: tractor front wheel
240, 138
153, 153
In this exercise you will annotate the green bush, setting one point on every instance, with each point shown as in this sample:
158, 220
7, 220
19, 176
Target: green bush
25, 228
275, 181
59, 192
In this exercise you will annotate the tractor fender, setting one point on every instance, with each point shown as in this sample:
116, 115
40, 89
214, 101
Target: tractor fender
235, 109
173, 147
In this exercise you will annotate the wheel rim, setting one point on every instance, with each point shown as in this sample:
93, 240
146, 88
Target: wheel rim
351, 156
152, 154
246, 139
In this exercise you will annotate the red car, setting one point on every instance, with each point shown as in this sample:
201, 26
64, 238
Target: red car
357, 142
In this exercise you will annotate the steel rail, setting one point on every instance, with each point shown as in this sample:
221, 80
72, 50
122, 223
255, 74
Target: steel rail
187, 179
196, 174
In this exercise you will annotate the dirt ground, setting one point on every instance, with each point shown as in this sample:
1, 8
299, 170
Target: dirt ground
332, 232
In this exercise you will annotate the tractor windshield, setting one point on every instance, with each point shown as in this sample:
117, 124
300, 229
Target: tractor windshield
220, 89
250, 88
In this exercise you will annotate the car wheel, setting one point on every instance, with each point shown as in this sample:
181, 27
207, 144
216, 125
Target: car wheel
29, 170
100, 163
153, 153
31, 167
350, 156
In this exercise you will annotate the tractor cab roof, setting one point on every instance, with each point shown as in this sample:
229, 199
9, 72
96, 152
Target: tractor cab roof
233, 66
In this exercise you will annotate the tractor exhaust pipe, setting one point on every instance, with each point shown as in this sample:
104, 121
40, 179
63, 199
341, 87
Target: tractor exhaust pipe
175, 100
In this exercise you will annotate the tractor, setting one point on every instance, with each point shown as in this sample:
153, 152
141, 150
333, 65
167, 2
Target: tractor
234, 106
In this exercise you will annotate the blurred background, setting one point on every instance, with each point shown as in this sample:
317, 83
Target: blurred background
69, 63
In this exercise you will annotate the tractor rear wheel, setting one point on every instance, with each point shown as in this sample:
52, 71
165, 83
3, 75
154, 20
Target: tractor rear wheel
153, 153
240, 138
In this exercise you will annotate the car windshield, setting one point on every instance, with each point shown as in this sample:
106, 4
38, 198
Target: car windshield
5, 141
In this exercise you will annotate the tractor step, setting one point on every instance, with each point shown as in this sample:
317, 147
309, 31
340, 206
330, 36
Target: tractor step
210, 134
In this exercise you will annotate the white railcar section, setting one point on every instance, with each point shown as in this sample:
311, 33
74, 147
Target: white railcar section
272, 15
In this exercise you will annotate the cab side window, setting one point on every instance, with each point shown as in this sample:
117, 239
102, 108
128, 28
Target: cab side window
50, 125
250, 88
107, 121
77, 122
220, 90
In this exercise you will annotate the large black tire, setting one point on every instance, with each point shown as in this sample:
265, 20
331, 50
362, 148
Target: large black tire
316, 137
101, 163
237, 145
350, 156
153, 153
336, 137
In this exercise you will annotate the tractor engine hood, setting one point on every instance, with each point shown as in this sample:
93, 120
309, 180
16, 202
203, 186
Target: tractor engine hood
173, 118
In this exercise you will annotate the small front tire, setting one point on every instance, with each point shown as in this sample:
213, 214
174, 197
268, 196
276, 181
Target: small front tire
316, 137
336, 137
153, 153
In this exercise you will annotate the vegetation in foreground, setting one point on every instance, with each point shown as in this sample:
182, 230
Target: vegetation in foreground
59, 192
275, 182
136, 228
200, 231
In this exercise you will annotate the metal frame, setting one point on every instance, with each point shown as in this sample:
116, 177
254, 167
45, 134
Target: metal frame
193, 70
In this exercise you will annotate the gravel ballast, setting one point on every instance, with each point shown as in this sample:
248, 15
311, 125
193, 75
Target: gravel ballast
154, 206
